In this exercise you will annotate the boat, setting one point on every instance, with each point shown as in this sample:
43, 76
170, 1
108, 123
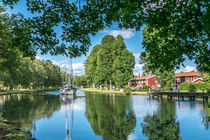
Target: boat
68, 86
68, 89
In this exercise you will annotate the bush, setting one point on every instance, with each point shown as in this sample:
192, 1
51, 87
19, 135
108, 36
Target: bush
147, 87
127, 89
192, 87
208, 91
116, 89
184, 86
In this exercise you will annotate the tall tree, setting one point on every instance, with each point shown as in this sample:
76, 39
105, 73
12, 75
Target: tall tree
111, 63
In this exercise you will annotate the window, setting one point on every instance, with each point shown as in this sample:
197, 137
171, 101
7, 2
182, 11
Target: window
153, 86
186, 79
156, 81
178, 79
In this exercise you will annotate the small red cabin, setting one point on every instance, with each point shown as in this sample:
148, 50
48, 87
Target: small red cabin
145, 80
193, 77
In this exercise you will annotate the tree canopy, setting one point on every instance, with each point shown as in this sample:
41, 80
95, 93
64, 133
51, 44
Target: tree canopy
109, 63
182, 25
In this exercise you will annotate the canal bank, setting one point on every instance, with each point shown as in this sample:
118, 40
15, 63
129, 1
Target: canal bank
25, 91
112, 91
8, 131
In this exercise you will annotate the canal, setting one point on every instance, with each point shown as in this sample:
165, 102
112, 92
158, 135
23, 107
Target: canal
110, 117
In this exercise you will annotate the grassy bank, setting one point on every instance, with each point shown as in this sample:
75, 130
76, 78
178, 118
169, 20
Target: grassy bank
4, 92
112, 91
9, 132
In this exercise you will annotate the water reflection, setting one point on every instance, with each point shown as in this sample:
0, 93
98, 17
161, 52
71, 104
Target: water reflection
23, 110
102, 116
163, 124
110, 116
68, 101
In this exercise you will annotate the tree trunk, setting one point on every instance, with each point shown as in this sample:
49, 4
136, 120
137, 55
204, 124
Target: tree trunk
110, 84
100, 87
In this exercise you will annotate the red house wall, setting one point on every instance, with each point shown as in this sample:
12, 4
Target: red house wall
152, 82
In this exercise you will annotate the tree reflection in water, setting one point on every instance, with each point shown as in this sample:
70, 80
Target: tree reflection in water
162, 125
23, 110
110, 116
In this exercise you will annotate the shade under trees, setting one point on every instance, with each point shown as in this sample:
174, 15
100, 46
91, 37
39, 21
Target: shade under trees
109, 63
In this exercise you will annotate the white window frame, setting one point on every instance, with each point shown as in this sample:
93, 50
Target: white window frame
178, 79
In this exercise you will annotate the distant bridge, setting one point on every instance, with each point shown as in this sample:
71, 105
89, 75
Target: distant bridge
180, 95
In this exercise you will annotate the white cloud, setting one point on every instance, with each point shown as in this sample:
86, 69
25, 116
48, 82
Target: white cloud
124, 33
137, 69
38, 57
137, 55
189, 69
78, 68
131, 137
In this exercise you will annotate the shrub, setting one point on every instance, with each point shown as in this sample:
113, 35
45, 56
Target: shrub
127, 89
116, 89
208, 91
184, 86
192, 88
147, 87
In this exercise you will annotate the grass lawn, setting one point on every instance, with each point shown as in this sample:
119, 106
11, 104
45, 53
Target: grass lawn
112, 91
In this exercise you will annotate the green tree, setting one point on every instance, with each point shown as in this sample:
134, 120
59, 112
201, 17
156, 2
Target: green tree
166, 80
91, 64
80, 81
181, 23
110, 63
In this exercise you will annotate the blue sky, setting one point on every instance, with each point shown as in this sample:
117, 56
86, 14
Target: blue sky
132, 39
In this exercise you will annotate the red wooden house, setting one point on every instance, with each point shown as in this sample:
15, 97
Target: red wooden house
193, 77
145, 80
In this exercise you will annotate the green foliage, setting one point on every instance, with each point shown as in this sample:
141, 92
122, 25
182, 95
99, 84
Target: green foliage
166, 80
184, 86
109, 63
34, 74
127, 89
170, 35
147, 87
117, 89
17, 70
80, 81
192, 87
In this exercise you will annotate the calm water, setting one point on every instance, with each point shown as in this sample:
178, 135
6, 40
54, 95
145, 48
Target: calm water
110, 117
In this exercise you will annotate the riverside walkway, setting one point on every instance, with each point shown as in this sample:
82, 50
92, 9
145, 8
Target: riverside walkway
180, 95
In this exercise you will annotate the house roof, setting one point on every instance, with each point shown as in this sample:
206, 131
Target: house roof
143, 78
194, 73
199, 79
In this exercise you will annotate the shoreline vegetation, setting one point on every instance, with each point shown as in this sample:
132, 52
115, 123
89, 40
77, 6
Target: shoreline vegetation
8, 131
113, 92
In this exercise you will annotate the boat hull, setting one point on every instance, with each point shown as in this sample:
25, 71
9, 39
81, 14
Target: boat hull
71, 91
